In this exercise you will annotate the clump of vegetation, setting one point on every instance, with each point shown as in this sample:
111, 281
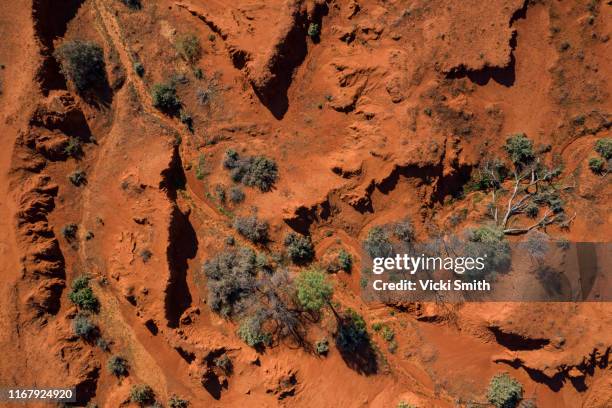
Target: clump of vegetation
84, 327
189, 48
300, 248
117, 366
176, 402
199, 170
69, 231
313, 290
257, 171
252, 333
142, 394
322, 347
82, 295
352, 331
404, 404
604, 147
345, 260
231, 279
145, 255
377, 243
83, 63
252, 228
74, 148
597, 165
165, 98
519, 148
78, 178
236, 195
314, 30
490, 242
504, 391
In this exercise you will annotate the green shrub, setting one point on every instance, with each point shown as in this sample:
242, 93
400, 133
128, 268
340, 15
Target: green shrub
352, 331
596, 165
176, 402
231, 278
532, 210
403, 404
345, 260
117, 366
142, 394
252, 228
299, 248
78, 178
74, 148
83, 327
165, 98
322, 347
387, 333
604, 147
519, 149
82, 295
504, 391
377, 243
489, 242
189, 48
314, 30
313, 290
83, 63
252, 333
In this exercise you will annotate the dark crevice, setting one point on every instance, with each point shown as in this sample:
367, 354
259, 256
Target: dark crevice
182, 247
50, 23
515, 342
304, 217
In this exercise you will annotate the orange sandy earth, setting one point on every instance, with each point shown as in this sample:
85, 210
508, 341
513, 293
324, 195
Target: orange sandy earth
383, 118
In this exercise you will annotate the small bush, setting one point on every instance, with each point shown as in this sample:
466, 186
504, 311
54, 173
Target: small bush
519, 149
74, 148
504, 391
83, 63
252, 333
322, 347
82, 295
345, 260
78, 178
604, 147
596, 165
255, 171
165, 98
117, 366
142, 394
189, 48
403, 404
83, 327
299, 248
231, 279
313, 290
352, 331
314, 30
404, 231
387, 333
145, 255
69, 231
236, 195
176, 402
489, 242
377, 243
532, 210
252, 228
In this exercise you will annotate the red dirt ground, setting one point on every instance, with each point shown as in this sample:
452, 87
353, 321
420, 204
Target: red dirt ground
384, 117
